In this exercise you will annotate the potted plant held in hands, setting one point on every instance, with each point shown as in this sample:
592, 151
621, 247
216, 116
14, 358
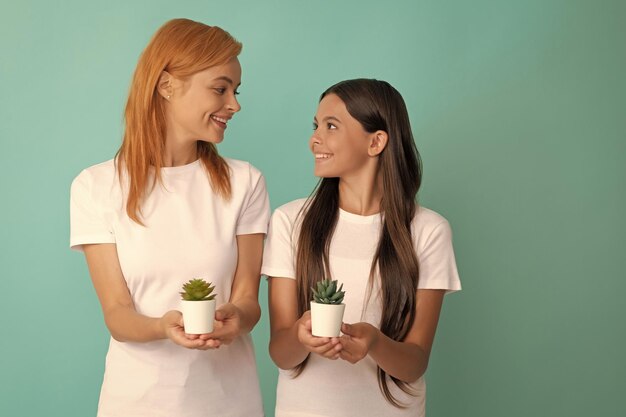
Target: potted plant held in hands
198, 306
327, 309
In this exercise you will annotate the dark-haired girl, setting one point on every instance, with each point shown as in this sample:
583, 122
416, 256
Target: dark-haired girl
363, 227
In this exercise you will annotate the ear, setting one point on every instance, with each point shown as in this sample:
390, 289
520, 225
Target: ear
164, 86
378, 142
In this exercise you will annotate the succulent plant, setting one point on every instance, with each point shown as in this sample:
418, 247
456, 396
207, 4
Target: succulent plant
327, 292
198, 290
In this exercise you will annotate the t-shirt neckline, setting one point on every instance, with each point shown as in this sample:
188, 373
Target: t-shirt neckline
181, 168
357, 218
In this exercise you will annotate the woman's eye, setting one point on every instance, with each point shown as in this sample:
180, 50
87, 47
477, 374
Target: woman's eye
314, 126
220, 91
331, 126
237, 92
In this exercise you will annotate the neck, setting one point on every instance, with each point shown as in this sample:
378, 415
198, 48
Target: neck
178, 150
361, 194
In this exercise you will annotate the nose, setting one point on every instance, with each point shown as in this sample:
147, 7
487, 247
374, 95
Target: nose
314, 140
233, 105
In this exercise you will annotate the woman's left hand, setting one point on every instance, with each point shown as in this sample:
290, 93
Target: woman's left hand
357, 340
227, 325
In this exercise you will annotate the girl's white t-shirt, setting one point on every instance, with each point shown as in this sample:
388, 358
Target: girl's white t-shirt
190, 233
338, 388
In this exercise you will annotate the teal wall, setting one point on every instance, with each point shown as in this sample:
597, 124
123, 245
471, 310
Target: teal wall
518, 109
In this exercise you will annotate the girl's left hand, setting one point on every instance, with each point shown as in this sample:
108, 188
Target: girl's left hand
357, 340
227, 325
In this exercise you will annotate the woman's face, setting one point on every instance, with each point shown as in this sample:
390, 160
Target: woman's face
339, 143
201, 106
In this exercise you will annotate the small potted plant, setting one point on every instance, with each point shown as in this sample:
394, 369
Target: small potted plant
198, 306
327, 308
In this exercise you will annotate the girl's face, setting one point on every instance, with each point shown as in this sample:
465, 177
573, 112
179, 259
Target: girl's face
339, 143
201, 106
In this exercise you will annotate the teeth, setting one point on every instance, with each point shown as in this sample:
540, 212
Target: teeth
219, 119
322, 155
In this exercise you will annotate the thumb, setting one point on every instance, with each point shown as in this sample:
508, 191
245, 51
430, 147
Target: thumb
224, 312
348, 329
220, 315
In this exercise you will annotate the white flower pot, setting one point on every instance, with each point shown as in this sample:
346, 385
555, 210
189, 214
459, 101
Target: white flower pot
198, 316
326, 319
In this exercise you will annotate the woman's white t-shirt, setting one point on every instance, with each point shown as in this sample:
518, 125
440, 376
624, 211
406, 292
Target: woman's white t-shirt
190, 233
338, 388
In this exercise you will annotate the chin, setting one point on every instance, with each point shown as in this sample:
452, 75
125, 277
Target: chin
323, 174
212, 140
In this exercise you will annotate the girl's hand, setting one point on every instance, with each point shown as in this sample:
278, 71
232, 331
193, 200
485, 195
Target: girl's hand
227, 326
172, 325
328, 347
357, 340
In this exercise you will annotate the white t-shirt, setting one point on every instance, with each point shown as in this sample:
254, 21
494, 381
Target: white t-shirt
190, 232
338, 388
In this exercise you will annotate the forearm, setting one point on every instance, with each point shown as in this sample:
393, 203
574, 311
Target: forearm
405, 361
126, 325
285, 349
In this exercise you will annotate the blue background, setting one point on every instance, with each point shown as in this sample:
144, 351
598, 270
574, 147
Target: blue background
518, 111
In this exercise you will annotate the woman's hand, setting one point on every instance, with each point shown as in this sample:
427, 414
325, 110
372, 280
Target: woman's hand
172, 325
227, 325
328, 347
357, 340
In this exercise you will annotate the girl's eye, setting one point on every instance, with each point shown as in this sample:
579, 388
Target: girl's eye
220, 91
331, 126
237, 92
314, 126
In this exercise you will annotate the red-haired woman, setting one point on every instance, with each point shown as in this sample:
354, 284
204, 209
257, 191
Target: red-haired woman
167, 209
362, 227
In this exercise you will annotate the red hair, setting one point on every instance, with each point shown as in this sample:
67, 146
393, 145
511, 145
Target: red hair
181, 47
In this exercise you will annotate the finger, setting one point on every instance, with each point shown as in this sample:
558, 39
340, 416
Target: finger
332, 352
224, 312
213, 343
188, 343
347, 329
314, 341
227, 331
346, 356
328, 349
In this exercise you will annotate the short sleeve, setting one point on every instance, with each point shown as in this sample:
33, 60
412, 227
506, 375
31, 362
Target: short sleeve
278, 256
437, 263
255, 212
87, 224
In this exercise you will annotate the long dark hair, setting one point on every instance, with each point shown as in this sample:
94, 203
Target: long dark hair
377, 106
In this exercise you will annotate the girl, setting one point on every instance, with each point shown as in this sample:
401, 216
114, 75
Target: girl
168, 209
361, 226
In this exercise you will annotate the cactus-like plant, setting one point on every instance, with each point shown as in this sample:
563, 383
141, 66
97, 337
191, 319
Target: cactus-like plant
327, 292
198, 290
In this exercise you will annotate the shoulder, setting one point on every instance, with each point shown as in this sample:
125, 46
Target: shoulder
291, 210
427, 221
242, 169
96, 175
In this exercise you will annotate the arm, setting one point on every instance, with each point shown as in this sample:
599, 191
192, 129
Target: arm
291, 340
406, 360
120, 316
242, 312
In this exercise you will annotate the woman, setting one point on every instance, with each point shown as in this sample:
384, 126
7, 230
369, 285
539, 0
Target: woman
168, 209
363, 228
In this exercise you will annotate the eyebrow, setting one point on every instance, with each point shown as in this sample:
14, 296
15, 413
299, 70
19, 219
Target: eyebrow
225, 78
327, 118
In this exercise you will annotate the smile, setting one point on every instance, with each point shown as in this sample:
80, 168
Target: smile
321, 156
220, 121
